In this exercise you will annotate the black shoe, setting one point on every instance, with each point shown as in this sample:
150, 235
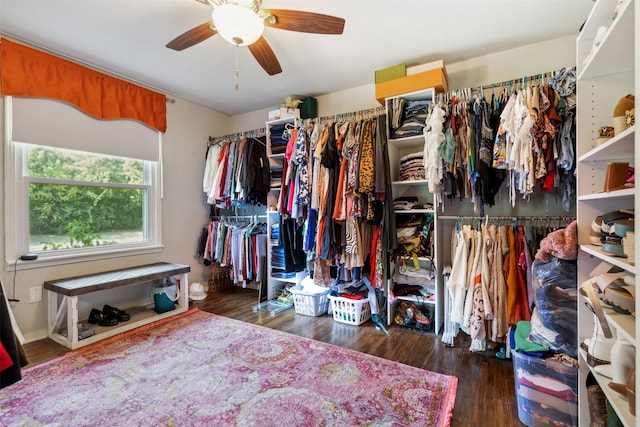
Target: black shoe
121, 315
102, 319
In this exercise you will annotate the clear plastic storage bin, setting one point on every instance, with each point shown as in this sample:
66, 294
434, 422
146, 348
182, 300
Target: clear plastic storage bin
547, 391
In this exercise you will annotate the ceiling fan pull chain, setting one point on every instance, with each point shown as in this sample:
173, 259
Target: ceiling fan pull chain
237, 71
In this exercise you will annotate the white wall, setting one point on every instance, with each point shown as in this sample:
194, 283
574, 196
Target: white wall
514, 63
484, 70
184, 212
190, 125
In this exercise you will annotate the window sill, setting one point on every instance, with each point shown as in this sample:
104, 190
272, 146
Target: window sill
50, 260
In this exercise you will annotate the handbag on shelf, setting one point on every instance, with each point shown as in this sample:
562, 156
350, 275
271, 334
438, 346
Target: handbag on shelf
420, 273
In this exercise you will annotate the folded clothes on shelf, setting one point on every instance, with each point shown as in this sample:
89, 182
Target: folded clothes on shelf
281, 274
412, 167
278, 149
275, 232
408, 117
409, 203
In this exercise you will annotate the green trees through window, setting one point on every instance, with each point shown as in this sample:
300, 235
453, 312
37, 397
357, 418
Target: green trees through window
79, 199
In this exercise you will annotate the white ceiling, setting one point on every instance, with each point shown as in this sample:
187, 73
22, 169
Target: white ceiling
128, 38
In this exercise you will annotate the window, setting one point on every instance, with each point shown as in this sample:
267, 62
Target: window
79, 203
71, 204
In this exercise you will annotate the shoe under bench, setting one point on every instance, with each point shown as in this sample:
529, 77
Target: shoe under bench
63, 295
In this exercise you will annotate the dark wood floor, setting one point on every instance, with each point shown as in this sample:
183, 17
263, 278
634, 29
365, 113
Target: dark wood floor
485, 395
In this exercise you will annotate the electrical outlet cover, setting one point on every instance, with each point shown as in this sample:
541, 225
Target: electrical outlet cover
35, 294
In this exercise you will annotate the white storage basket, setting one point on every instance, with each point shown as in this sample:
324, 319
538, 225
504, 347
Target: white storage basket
310, 303
350, 311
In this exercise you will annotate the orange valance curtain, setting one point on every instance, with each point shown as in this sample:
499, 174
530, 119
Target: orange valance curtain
29, 72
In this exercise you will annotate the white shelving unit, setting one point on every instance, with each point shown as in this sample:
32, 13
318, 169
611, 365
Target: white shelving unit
399, 147
606, 73
276, 160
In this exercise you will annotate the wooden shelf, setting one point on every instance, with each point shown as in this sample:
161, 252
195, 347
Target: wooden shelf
613, 260
412, 211
410, 183
416, 298
607, 71
617, 148
410, 141
625, 324
399, 148
617, 401
141, 315
288, 279
609, 57
627, 192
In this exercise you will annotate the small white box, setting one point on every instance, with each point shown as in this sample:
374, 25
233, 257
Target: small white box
287, 113
274, 114
421, 68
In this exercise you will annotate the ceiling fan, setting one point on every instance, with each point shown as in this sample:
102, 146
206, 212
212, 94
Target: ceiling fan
241, 22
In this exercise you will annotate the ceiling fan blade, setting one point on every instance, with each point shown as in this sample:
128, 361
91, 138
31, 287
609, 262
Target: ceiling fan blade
305, 22
193, 36
265, 56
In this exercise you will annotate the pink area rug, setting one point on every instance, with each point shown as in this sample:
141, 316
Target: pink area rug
200, 369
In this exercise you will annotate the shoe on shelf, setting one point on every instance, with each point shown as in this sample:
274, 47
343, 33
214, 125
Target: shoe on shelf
418, 316
405, 311
121, 315
597, 403
101, 318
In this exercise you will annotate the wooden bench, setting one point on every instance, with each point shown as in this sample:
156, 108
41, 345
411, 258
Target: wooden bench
63, 297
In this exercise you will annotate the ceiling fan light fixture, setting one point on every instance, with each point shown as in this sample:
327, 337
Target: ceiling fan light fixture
237, 24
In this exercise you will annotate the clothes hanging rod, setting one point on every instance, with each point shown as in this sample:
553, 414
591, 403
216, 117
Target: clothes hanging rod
507, 83
535, 78
255, 133
507, 218
237, 216
369, 111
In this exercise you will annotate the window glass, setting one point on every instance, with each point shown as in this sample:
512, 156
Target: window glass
79, 200
58, 163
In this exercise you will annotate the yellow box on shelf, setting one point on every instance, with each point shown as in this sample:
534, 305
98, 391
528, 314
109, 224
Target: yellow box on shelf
435, 78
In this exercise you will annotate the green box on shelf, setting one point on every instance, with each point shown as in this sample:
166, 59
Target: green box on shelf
391, 73
309, 108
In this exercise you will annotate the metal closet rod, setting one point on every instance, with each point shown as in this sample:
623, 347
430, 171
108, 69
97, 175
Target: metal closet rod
533, 79
255, 133
367, 112
237, 216
508, 218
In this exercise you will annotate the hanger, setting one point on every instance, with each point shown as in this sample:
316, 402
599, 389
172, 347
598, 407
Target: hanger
258, 141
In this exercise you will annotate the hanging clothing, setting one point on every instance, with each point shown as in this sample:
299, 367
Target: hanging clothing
522, 309
10, 365
496, 285
433, 138
525, 138
457, 282
237, 173
389, 239
511, 274
488, 286
235, 245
